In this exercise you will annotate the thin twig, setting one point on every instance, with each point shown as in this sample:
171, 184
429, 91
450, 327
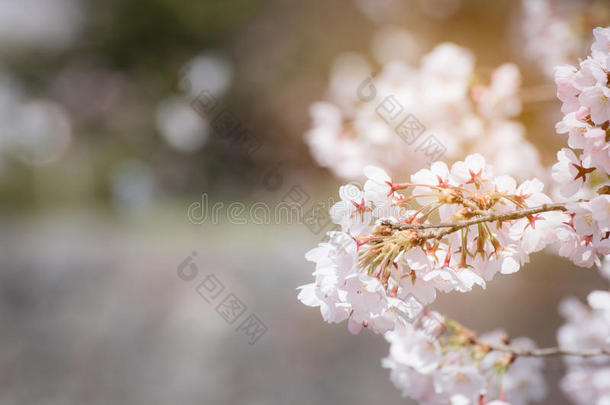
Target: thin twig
473, 339
493, 217
548, 351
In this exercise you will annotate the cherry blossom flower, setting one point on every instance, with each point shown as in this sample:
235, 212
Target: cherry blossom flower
450, 228
570, 172
585, 95
334, 261
587, 326
354, 212
567, 92
371, 277
501, 98
576, 128
429, 371
597, 148
553, 31
523, 382
381, 119
600, 210
595, 98
601, 46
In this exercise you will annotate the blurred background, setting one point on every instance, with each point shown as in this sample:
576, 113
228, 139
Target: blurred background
109, 171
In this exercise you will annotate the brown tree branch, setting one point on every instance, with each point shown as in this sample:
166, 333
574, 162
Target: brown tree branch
438, 231
548, 351
470, 338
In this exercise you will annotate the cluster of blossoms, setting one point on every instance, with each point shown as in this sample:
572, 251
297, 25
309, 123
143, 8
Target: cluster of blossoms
583, 169
387, 251
552, 31
461, 108
587, 381
456, 369
582, 172
450, 228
